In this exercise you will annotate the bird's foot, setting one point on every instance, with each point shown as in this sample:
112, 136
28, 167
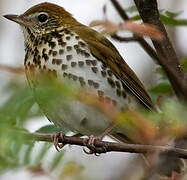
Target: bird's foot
55, 138
90, 144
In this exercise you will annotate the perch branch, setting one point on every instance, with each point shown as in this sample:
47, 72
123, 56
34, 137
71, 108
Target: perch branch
104, 147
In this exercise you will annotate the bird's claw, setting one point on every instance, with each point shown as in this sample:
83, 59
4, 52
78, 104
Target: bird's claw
55, 138
90, 144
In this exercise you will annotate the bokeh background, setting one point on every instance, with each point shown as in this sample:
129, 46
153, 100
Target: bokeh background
107, 166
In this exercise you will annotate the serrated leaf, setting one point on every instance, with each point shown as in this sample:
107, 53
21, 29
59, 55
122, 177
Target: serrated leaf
27, 156
42, 153
17, 107
56, 160
49, 129
162, 88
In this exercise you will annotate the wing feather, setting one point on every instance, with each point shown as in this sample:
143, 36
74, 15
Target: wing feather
104, 50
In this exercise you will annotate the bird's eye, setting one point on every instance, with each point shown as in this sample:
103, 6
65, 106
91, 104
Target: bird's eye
42, 18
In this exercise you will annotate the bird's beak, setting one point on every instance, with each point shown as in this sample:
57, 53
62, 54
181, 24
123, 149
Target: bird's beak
18, 19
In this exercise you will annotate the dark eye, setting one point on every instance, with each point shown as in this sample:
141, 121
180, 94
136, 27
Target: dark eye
42, 18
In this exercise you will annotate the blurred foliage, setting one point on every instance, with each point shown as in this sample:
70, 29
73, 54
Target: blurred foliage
17, 151
142, 126
168, 18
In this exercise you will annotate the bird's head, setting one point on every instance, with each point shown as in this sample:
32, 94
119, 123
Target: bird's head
43, 18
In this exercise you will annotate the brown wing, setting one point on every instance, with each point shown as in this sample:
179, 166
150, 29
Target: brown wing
104, 50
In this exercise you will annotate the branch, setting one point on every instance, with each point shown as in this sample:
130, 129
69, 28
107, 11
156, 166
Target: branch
104, 147
167, 56
140, 40
123, 39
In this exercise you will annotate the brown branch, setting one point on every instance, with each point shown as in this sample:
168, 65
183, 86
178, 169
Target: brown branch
168, 59
16, 70
104, 147
140, 40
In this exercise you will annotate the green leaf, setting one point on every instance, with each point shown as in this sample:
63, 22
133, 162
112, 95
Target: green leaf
49, 129
173, 22
161, 88
15, 110
173, 14
184, 64
27, 156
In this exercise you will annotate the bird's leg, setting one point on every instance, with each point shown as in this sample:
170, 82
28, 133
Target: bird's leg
60, 135
55, 138
90, 141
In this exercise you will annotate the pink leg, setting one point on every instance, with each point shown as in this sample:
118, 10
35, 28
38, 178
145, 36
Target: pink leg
55, 137
90, 142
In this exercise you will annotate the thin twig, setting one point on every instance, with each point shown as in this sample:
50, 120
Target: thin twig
140, 40
149, 13
104, 146
123, 39
16, 70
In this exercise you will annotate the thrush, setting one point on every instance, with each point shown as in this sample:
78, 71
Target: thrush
56, 42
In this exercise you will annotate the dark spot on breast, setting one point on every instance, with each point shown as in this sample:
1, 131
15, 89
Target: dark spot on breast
50, 52
61, 51
118, 84
103, 66
58, 61
65, 74
76, 46
124, 94
51, 44
96, 85
69, 57
82, 82
94, 62
88, 62
94, 69
111, 82
81, 63
68, 37
103, 73
78, 51
69, 48
90, 82
73, 64
82, 44
87, 54
64, 66
46, 57
77, 37
118, 92
109, 72
75, 77
55, 53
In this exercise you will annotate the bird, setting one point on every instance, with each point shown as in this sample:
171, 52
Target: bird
56, 42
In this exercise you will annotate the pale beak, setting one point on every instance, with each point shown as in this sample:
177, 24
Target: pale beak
18, 19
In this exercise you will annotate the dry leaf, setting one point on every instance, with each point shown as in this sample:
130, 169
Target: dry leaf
138, 29
144, 30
